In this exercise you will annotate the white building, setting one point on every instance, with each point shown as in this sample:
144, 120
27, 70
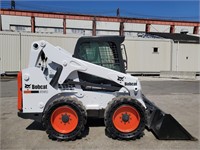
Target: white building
152, 45
42, 22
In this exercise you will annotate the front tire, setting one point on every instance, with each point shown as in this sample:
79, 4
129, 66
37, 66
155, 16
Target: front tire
65, 119
124, 118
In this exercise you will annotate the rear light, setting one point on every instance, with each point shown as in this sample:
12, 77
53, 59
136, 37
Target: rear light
19, 82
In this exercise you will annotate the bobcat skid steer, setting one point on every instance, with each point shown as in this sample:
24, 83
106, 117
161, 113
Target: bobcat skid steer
62, 90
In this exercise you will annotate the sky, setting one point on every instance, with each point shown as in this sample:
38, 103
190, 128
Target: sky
188, 10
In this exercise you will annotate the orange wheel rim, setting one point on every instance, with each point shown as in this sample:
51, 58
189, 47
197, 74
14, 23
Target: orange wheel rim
126, 118
64, 119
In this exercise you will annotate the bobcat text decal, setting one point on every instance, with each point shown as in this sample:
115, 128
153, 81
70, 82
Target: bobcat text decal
32, 88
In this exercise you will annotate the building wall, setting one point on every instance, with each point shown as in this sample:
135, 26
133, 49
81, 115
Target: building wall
46, 25
79, 27
9, 51
107, 25
15, 48
134, 27
10, 21
187, 57
47, 22
75, 27
79, 24
142, 58
107, 28
100, 32
179, 28
160, 28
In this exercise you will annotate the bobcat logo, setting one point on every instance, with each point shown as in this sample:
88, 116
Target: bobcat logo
27, 86
120, 78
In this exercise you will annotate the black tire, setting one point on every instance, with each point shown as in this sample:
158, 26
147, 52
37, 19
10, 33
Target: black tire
70, 103
119, 102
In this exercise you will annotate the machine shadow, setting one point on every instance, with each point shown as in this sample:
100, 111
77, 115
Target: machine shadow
35, 126
95, 122
91, 122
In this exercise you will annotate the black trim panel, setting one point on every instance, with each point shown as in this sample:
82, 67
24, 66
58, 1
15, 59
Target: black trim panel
34, 116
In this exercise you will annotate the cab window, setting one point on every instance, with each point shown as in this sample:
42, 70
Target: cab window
100, 53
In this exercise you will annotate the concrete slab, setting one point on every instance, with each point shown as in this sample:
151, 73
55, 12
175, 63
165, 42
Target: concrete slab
178, 74
178, 100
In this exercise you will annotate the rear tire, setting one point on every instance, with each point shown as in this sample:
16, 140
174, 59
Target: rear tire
65, 119
124, 119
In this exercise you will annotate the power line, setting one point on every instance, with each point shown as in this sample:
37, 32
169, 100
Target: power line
62, 8
153, 16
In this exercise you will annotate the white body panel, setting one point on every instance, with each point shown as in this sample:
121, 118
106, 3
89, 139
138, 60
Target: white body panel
35, 102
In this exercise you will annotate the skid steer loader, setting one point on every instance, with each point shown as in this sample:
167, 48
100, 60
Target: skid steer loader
62, 90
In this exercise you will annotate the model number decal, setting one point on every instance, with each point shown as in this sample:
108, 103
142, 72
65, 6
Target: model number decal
35, 92
129, 84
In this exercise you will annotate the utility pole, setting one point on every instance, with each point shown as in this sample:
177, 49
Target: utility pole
0, 23
118, 12
12, 4
121, 29
94, 27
